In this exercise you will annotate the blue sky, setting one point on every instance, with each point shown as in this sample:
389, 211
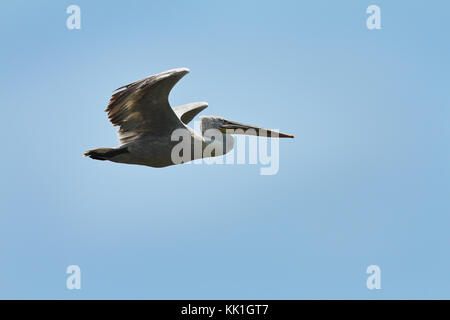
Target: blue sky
366, 180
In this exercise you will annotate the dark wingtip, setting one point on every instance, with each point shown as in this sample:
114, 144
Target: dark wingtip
93, 155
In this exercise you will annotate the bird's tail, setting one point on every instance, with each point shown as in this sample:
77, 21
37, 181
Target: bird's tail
104, 153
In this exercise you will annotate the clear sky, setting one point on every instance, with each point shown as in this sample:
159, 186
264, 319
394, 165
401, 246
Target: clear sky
366, 180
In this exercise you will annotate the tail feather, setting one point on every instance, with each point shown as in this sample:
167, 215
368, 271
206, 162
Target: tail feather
104, 153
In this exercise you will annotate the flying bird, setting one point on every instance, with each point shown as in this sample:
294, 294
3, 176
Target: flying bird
147, 121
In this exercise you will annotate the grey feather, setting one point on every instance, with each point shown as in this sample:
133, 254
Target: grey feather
187, 112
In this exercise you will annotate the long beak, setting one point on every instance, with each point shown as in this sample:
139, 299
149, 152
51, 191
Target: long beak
232, 127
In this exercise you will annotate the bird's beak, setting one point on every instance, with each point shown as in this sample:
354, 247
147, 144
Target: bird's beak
232, 127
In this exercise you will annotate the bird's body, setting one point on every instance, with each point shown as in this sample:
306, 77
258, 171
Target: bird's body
153, 151
148, 123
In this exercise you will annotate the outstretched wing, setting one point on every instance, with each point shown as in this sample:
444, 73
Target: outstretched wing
142, 107
187, 112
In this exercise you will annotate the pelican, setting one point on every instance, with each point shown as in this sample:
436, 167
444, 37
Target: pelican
142, 111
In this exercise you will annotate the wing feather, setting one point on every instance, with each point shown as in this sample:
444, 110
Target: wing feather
142, 107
